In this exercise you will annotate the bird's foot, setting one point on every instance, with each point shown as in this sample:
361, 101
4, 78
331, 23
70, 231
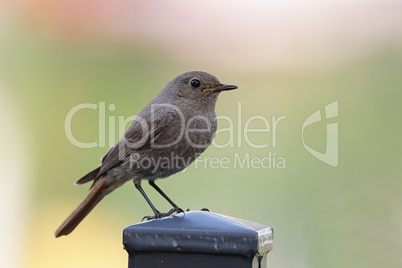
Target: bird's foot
159, 215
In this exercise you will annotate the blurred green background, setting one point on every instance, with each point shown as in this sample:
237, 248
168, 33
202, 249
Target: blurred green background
287, 58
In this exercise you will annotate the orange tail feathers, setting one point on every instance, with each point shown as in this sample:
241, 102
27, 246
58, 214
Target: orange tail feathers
93, 198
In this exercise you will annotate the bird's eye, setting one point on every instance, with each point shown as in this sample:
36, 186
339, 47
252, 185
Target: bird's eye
195, 83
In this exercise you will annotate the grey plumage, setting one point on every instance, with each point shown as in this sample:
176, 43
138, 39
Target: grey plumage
167, 136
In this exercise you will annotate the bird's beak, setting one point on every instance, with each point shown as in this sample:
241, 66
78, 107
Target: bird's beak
220, 88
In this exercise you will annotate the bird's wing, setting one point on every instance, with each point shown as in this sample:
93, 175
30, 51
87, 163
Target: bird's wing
139, 136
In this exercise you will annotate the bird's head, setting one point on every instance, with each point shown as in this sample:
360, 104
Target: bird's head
196, 88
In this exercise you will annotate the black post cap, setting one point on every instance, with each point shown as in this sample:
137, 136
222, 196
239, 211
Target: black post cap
197, 238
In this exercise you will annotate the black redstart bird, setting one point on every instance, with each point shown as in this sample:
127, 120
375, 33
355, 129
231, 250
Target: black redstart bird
167, 136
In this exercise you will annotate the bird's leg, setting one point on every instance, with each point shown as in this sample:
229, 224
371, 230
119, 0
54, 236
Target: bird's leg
152, 183
156, 212
175, 207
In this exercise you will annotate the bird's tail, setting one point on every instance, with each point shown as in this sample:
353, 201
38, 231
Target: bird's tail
98, 191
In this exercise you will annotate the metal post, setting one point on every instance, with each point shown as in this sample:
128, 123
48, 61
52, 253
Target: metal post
200, 239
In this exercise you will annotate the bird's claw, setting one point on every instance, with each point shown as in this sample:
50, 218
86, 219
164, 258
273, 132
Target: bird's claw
175, 209
159, 215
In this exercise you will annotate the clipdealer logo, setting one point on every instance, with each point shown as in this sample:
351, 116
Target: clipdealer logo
240, 130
